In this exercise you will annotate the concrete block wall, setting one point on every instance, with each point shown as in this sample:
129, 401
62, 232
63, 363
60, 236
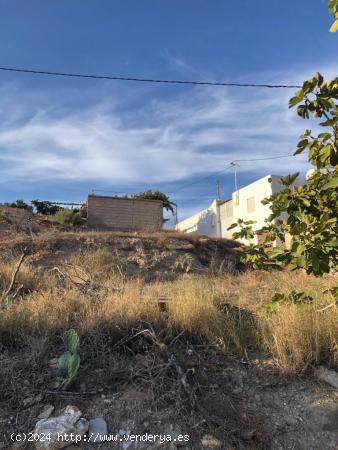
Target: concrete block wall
124, 214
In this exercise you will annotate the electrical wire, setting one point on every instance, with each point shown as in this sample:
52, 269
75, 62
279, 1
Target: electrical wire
200, 179
226, 168
147, 80
262, 159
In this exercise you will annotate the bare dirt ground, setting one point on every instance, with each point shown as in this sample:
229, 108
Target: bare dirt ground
16, 222
144, 254
244, 404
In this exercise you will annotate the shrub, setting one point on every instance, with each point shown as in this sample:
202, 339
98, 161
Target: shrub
68, 217
157, 195
21, 205
46, 208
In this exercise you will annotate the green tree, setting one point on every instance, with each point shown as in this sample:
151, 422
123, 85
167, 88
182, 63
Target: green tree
157, 195
311, 209
46, 208
21, 205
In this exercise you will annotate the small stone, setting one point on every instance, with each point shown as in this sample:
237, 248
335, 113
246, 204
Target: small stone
54, 363
237, 390
291, 421
97, 430
46, 412
176, 434
247, 435
146, 425
29, 401
16, 446
209, 442
57, 428
135, 394
327, 375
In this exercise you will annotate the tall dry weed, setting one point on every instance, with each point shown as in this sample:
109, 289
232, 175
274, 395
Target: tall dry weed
97, 300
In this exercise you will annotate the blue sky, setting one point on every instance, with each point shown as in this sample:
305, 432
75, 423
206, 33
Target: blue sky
60, 138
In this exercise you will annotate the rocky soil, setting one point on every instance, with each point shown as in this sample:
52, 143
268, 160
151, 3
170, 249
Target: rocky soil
241, 404
16, 222
163, 255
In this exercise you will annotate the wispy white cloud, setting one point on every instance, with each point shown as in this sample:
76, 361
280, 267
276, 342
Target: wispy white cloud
194, 131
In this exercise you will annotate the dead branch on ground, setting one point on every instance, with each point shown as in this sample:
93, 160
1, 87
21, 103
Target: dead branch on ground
6, 297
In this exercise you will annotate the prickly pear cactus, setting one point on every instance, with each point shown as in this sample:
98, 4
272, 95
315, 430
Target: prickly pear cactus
72, 341
69, 362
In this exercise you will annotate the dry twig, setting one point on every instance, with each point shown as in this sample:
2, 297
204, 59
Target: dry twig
6, 295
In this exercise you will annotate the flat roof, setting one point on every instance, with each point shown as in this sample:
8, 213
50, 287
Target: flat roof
126, 198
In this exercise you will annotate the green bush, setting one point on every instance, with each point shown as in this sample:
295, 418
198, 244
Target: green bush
43, 207
21, 205
68, 217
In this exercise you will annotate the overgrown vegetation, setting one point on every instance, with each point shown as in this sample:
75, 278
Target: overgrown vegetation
46, 208
90, 294
20, 204
68, 217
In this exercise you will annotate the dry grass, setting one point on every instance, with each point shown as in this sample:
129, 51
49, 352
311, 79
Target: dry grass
25, 277
225, 311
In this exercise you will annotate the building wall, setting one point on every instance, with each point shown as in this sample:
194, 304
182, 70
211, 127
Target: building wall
204, 222
226, 215
245, 204
124, 214
248, 204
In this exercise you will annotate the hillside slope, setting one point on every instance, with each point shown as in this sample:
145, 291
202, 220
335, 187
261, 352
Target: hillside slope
147, 255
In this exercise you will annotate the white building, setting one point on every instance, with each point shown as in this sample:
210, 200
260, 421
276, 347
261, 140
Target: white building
246, 204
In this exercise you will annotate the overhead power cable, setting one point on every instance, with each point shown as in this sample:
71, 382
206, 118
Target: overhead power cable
200, 179
187, 185
262, 159
147, 80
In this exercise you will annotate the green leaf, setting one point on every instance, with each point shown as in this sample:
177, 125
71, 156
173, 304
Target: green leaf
333, 6
301, 261
298, 151
319, 78
303, 143
232, 226
298, 248
328, 123
332, 243
334, 27
303, 112
299, 95
332, 184
325, 136
275, 252
290, 179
